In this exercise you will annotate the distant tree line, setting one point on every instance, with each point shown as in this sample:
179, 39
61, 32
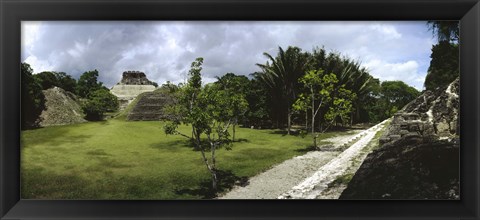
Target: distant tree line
95, 98
314, 89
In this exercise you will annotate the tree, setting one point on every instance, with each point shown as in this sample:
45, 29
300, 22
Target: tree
281, 75
392, 97
341, 106
87, 83
444, 66
349, 73
445, 30
302, 105
50, 79
32, 98
99, 102
257, 98
65, 81
321, 89
46, 79
236, 88
208, 110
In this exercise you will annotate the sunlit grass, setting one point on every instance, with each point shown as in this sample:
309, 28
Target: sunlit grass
117, 159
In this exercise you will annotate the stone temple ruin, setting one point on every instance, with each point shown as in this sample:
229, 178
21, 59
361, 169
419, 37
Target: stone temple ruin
133, 83
418, 156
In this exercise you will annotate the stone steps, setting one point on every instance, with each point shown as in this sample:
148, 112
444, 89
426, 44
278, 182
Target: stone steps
149, 107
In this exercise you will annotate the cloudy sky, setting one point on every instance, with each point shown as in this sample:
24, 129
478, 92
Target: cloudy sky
164, 50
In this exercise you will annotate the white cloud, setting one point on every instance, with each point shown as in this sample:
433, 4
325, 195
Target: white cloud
404, 71
164, 50
387, 31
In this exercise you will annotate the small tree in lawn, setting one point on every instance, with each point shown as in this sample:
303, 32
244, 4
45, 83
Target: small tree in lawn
208, 111
341, 107
302, 104
320, 88
237, 106
237, 86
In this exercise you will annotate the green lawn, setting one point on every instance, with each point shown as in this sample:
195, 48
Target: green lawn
116, 159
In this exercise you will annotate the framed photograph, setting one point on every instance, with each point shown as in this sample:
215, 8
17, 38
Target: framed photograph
239, 109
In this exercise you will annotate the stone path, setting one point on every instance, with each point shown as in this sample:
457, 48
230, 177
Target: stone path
314, 185
282, 180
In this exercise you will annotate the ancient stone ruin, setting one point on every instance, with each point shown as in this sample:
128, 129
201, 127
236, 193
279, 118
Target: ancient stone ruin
133, 83
433, 114
149, 106
418, 156
61, 108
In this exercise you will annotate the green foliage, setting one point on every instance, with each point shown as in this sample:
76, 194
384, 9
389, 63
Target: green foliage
280, 75
444, 66
236, 89
32, 98
341, 106
210, 110
46, 79
322, 91
169, 87
391, 97
88, 83
448, 31
99, 102
257, 114
65, 81
283, 89
195, 78
50, 79
398, 93
350, 74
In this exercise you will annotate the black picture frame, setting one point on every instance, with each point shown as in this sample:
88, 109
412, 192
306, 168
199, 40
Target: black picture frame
12, 12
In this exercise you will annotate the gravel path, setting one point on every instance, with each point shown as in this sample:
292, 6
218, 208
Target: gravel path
314, 185
282, 177
306, 176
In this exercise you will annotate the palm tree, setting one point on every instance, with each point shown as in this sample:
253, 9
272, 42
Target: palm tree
281, 74
349, 73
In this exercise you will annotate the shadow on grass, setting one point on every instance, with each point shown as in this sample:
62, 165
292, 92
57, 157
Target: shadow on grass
173, 145
327, 147
226, 181
284, 132
241, 140
307, 149
55, 140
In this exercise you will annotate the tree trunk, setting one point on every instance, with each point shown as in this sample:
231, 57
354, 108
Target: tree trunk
214, 180
351, 119
306, 121
313, 119
289, 121
233, 128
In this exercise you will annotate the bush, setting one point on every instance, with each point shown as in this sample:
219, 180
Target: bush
99, 102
